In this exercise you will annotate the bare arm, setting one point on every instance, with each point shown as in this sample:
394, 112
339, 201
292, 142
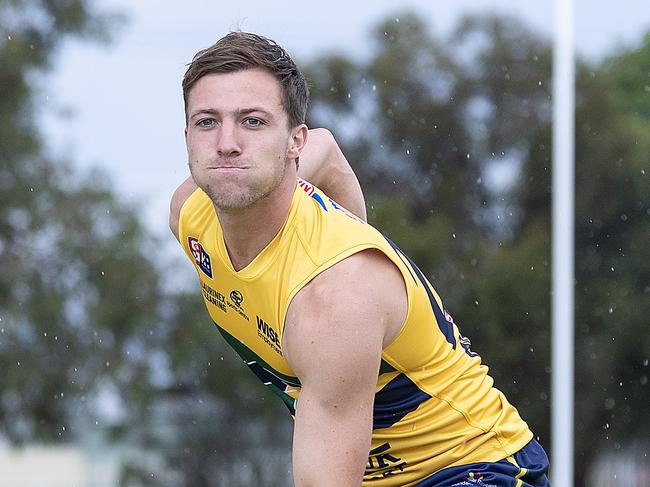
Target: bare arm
181, 194
323, 164
334, 336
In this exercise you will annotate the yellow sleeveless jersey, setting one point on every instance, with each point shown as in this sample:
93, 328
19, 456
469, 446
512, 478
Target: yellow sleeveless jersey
434, 406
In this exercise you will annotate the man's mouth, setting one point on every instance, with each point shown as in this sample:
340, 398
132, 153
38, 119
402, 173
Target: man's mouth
228, 168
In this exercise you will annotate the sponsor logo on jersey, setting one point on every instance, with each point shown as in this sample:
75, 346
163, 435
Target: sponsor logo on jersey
382, 462
448, 317
310, 189
213, 296
307, 187
269, 335
473, 478
236, 299
200, 256
465, 342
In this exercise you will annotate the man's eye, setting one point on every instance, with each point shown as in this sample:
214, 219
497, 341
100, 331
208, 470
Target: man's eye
206, 122
253, 122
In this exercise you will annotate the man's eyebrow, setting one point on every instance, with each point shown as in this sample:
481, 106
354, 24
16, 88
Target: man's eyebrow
247, 111
241, 111
204, 111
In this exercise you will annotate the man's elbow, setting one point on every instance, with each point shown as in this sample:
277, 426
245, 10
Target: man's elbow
173, 222
175, 211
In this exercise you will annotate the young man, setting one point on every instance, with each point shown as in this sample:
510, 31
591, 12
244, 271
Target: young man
327, 312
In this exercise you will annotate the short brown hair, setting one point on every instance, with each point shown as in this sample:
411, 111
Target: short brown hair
238, 51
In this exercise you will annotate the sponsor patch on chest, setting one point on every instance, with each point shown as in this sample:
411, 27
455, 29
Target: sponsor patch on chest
201, 257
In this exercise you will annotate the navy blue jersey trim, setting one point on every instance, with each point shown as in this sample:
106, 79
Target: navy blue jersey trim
401, 256
395, 400
271, 378
531, 470
385, 367
445, 326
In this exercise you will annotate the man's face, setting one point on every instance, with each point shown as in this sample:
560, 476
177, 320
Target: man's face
237, 137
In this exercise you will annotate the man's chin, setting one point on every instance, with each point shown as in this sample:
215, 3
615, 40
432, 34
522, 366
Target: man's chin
232, 203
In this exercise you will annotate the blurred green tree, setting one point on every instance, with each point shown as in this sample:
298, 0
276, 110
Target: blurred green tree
75, 280
628, 72
612, 265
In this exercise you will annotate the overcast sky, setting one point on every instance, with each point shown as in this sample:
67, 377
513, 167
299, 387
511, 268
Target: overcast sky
119, 107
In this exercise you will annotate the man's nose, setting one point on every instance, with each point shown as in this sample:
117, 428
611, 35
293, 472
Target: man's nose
227, 140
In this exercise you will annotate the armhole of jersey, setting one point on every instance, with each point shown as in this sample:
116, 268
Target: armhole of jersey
335, 260
181, 221
405, 273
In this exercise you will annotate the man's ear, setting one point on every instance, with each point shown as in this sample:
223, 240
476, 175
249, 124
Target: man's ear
298, 140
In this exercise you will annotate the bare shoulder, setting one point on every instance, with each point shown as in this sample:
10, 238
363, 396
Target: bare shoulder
357, 305
363, 278
179, 197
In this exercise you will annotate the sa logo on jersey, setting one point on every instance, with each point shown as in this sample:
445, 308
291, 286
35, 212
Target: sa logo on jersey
200, 256
311, 191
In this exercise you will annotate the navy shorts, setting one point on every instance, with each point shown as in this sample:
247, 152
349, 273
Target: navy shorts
526, 468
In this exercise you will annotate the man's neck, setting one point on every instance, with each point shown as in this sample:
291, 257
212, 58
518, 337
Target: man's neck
248, 231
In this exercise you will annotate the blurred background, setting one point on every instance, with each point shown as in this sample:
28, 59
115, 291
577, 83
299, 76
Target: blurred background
110, 372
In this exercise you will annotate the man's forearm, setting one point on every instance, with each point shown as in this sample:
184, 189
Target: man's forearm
330, 445
323, 164
342, 185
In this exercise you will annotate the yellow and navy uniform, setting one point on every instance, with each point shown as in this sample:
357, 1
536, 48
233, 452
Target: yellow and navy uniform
435, 405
